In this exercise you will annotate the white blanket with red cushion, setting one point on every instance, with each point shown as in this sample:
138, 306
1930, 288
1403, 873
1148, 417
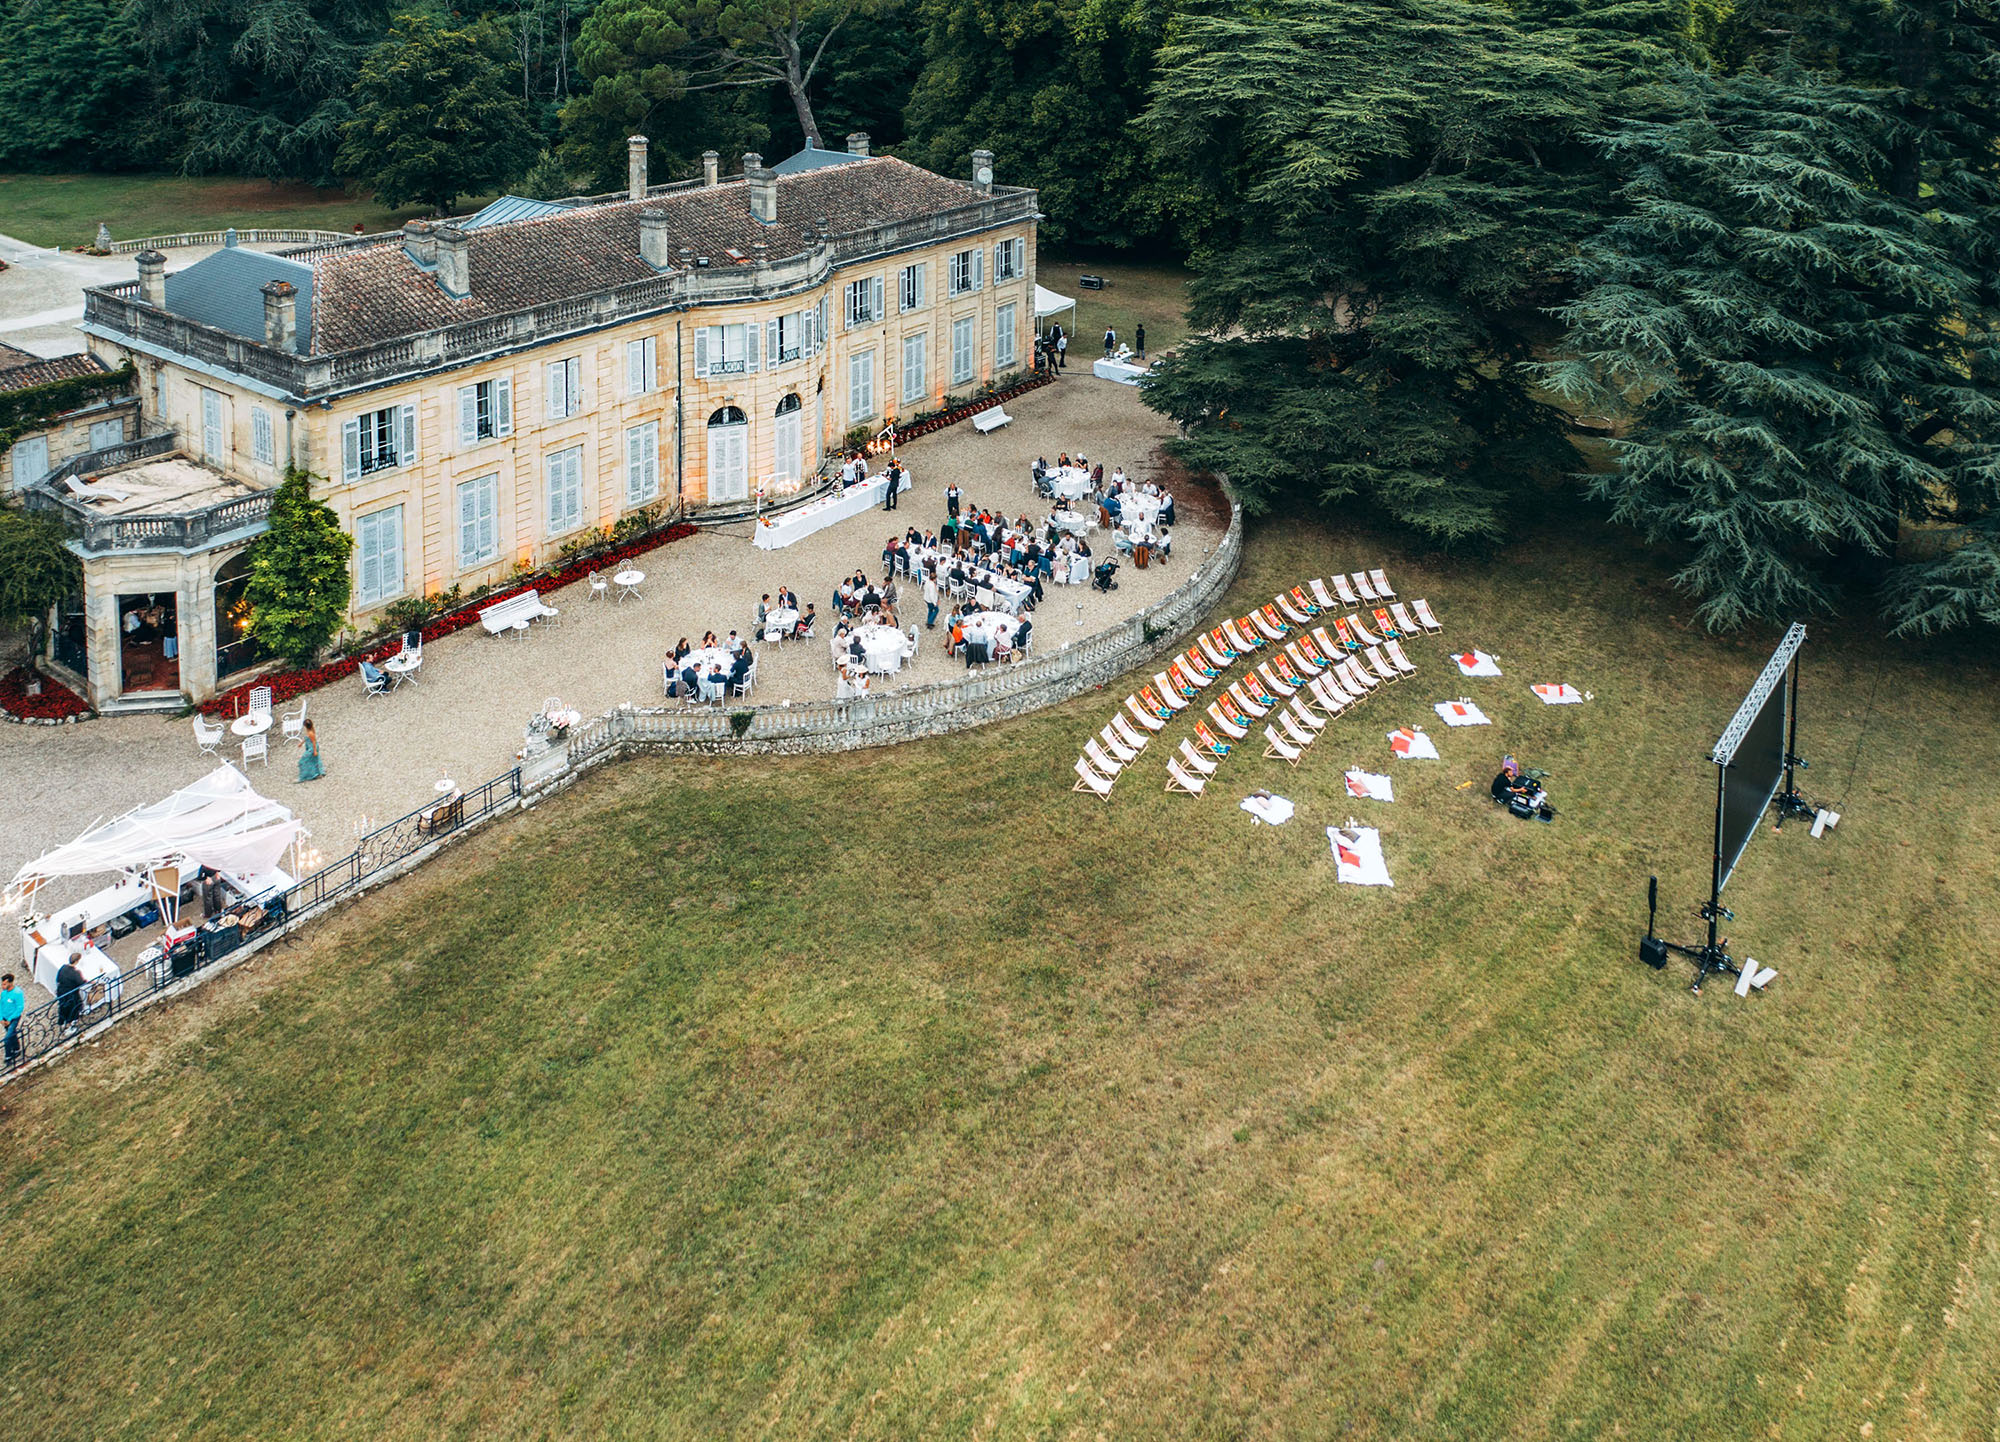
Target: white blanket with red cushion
1357, 854
1558, 695
1410, 744
1370, 787
1269, 809
1461, 713
1477, 663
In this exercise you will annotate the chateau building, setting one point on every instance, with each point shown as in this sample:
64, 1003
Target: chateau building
473, 395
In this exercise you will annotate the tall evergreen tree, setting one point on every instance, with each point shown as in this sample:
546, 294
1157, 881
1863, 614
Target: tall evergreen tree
74, 91
299, 582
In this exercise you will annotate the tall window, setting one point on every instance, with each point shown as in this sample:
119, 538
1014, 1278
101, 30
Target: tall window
263, 445
786, 439
565, 387
642, 463
728, 455
478, 521
214, 435
790, 337
1008, 256
31, 460
910, 287
968, 271
642, 365
378, 556
861, 387
914, 380
565, 477
725, 350
864, 301
964, 349
104, 434
485, 411
378, 441
1003, 336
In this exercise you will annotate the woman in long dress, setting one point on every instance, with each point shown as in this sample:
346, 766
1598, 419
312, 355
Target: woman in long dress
310, 768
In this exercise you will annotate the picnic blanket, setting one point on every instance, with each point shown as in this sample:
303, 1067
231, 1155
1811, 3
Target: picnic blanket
1477, 663
1558, 695
1461, 713
1357, 854
1369, 786
1269, 809
1410, 744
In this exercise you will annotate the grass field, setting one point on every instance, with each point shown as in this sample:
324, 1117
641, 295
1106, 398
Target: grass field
905, 1094
1155, 294
65, 210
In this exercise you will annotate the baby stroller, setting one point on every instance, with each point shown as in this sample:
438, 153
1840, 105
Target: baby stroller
1101, 579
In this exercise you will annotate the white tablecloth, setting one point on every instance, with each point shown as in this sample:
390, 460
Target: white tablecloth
1070, 483
1111, 370
1010, 592
830, 510
988, 626
1074, 522
93, 964
1136, 505
1072, 570
780, 622
883, 647
701, 658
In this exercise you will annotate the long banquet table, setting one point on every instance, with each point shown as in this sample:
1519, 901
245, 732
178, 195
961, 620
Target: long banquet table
796, 525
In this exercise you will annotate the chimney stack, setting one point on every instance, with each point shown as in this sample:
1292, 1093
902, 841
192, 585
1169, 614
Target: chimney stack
454, 262
982, 171
711, 168
857, 143
654, 246
153, 279
281, 315
420, 243
635, 167
763, 188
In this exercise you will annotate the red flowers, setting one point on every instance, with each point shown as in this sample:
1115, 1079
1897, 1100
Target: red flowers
959, 413
56, 703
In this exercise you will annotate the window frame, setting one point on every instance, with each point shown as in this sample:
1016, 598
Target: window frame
642, 470
489, 487
968, 327
370, 526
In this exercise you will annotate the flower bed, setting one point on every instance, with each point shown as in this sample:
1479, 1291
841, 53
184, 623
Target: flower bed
286, 685
56, 705
971, 408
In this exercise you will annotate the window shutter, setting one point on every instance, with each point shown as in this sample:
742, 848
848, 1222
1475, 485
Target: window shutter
877, 311
979, 268
350, 451
554, 387
635, 363
468, 415
407, 449
489, 516
810, 318
573, 373
370, 568
774, 344
701, 350
503, 407
652, 363
468, 523
750, 346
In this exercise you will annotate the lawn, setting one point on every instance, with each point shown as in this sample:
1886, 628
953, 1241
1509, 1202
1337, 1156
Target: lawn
906, 1094
65, 210
1154, 294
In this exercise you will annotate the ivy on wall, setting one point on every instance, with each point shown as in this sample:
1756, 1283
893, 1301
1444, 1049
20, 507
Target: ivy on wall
34, 407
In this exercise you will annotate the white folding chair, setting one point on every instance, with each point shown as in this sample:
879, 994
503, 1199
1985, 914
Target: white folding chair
1301, 736
1183, 782
1197, 762
1306, 716
1323, 596
1144, 717
1424, 616
1095, 755
1089, 780
1168, 691
1135, 739
1382, 587
1365, 586
1280, 749
1125, 754
1346, 589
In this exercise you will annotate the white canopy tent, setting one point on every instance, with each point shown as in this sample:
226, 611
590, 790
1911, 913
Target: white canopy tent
1048, 303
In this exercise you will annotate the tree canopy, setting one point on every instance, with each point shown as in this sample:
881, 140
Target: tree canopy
299, 582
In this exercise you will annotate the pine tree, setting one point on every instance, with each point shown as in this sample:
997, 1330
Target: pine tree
37, 571
299, 582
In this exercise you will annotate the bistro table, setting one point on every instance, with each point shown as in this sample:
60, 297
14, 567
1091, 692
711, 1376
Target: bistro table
778, 623
628, 584
404, 667
254, 723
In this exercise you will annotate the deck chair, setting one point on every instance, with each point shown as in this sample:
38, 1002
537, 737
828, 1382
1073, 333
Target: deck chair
1094, 754
1125, 754
1144, 717
1379, 664
1327, 600
1291, 610
1208, 740
1177, 682
1168, 692
1157, 704
1306, 716
1281, 665
1361, 632
1279, 688
1183, 782
1424, 616
1267, 620
1382, 586
1385, 623
1135, 739
1304, 655
1244, 702
1355, 677
1404, 621
1394, 651
1241, 639
1199, 665
1089, 780
1346, 635
1281, 749
1328, 696
1223, 724
1199, 764
1365, 586
1346, 589
1219, 656
1301, 736
1306, 604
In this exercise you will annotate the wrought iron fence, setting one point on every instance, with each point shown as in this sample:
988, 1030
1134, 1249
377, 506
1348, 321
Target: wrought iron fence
50, 1026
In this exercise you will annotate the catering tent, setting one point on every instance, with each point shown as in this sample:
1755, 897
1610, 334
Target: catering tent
1047, 303
220, 821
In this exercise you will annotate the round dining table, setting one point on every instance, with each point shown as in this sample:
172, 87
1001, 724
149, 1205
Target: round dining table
1069, 483
882, 647
254, 723
1074, 522
779, 622
1134, 506
628, 583
702, 658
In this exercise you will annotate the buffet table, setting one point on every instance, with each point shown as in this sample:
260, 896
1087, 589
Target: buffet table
1111, 370
773, 532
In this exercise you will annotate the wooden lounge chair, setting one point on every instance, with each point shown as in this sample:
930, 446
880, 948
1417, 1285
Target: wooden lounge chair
1301, 736
1306, 656
1327, 600
1209, 741
1326, 645
1241, 638
1125, 754
1185, 782
1094, 754
1360, 631
1279, 686
1198, 666
1306, 604
1356, 678
1394, 651
1424, 616
1089, 780
1286, 672
1185, 683
1144, 717
1244, 702
1235, 731
1382, 586
1291, 610
1349, 695
1386, 624
1327, 695
1346, 589
1278, 747
1346, 635
1306, 716
1270, 623
1196, 762
1404, 621
1157, 704
1168, 692
1136, 740
1379, 664
1218, 658
1365, 586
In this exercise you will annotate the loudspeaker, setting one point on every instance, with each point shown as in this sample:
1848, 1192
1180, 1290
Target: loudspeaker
1653, 951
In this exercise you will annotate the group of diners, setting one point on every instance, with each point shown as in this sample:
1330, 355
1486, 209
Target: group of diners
1138, 513
711, 671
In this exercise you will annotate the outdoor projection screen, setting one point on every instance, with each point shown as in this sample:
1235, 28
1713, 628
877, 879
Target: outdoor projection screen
1751, 755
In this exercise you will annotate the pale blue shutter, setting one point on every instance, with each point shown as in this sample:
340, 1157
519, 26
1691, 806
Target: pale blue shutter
468, 523
503, 407
350, 451
701, 350
750, 332
468, 415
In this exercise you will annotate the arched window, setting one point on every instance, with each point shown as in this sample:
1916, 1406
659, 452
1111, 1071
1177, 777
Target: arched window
786, 438
728, 455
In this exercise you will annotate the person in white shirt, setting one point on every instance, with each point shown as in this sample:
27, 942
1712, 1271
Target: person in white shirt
1117, 476
930, 598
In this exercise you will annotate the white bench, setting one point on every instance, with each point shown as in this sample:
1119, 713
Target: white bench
991, 420
514, 613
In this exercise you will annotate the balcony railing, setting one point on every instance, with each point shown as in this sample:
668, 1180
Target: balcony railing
110, 458
117, 312
94, 531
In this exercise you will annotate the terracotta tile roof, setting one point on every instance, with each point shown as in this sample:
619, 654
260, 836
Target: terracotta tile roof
40, 372
364, 296
11, 356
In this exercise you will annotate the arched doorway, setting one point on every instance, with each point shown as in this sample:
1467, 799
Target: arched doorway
786, 436
235, 647
728, 455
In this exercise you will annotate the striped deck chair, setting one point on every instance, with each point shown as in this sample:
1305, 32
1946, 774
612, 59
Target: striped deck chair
1279, 686
1198, 667
1253, 684
1126, 755
1346, 589
1240, 640
1264, 627
1365, 586
1394, 651
1327, 695
1354, 676
1360, 631
1188, 683
1244, 701
1306, 604
1154, 702
1306, 652
1279, 748
1169, 692
1199, 764
1094, 754
1326, 645
1379, 664
1183, 781
1218, 657
1346, 635
1424, 616
1404, 622
1144, 717
1327, 600
1270, 617
1337, 688
1290, 609
1135, 739
1301, 736
1089, 780
1223, 724
1281, 665
1306, 716
1382, 586
1386, 624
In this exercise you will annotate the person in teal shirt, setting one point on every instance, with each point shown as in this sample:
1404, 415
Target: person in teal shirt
13, 1002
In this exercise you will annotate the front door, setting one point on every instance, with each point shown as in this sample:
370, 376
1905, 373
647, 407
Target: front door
149, 645
728, 462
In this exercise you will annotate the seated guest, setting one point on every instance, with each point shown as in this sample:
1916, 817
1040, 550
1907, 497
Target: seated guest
707, 639
1021, 636
870, 599
843, 599
690, 683
1166, 508
805, 626
717, 679
841, 629
1163, 543
1509, 783
740, 667
763, 611
733, 643
681, 648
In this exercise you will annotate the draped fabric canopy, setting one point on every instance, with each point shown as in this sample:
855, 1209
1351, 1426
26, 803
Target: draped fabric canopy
1047, 302
220, 821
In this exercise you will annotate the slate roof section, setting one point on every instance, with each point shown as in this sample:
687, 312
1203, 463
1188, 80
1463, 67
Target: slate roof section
813, 158
36, 372
510, 208
11, 356
226, 290
368, 294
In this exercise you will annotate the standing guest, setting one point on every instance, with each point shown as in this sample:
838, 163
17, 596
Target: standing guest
895, 483
1166, 507
930, 598
860, 466
951, 498
763, 611
1139, 339
13, 1002
309, 763
1062, 349
1097, 478
1110, 341
69, 991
